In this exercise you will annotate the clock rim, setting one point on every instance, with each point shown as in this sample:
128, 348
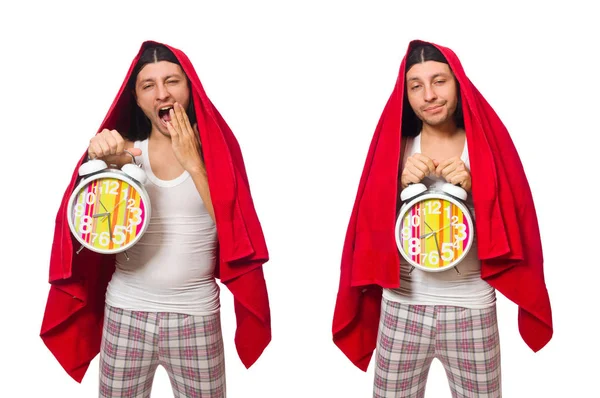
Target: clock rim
120, 175
426, 196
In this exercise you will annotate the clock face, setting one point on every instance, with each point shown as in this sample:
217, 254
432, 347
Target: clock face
107, 215
434, 233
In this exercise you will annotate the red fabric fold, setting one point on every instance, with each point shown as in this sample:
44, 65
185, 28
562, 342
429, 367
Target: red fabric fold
72, 322
509, 242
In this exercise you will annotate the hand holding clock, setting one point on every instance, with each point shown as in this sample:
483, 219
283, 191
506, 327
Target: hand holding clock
109, 145
417, 167
454, 171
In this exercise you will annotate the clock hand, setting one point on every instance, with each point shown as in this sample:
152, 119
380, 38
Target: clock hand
109, 228
427, 235
441, 229
100, 215
104, 207
425, 222
109, 212
437, 246
118, 204
108, 219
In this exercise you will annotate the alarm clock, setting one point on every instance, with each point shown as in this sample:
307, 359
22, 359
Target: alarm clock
109, 210
434, 228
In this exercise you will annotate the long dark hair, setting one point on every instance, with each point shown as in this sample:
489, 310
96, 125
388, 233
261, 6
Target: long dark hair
139, 125
411, 124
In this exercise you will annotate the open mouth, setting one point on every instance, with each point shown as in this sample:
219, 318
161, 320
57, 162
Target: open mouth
163, 113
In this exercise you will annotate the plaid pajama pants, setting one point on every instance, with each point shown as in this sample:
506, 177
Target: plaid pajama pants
466, 341
134, 343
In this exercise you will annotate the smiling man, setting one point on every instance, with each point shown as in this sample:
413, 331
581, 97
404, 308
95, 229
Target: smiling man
159, 303
437, 128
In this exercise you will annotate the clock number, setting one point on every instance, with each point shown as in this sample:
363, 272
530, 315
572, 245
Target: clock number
405, 233
86, 225
104, 239
434, 258
433, 207
137, 213
90, 198
447, 252
119, 235
414, 221
79, 208
110, 187
414, 246
454, 220
462, 231
448, 210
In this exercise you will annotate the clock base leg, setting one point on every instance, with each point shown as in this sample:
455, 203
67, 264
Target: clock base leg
80, 249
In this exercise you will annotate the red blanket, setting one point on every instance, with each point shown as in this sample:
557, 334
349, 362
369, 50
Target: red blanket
72, 323
508, 236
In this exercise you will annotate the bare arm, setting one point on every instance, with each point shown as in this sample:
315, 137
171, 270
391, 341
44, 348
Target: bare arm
201, 182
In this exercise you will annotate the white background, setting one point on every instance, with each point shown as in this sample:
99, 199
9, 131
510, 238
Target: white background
302, 84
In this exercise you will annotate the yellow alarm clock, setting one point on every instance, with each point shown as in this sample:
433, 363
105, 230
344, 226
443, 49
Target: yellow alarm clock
109, 210
434, 228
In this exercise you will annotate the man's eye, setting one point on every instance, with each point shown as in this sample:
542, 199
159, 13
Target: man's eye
147, 86
440, 82
172, 81
413, 88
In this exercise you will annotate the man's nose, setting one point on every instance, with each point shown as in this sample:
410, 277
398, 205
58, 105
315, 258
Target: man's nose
429, 93
162, 92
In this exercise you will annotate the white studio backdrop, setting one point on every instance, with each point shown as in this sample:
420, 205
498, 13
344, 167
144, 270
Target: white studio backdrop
302, 85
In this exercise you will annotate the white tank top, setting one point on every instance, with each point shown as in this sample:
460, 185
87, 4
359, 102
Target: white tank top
448, 287
171, 268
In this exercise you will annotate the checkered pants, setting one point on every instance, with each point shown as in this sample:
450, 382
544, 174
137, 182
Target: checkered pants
134, 343
466, 341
